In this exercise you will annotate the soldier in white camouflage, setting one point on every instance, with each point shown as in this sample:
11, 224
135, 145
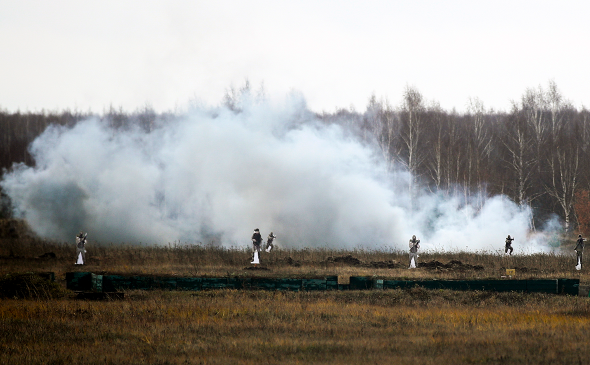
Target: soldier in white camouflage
269, 242
414, 246
579, 250
81, 248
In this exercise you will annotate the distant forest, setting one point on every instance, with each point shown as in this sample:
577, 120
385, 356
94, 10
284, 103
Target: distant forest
536, 154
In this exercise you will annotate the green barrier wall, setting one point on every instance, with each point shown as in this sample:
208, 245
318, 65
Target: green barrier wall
532, 286
332, 283
361, 282
79, 281
188, 284
84, 281
568, 286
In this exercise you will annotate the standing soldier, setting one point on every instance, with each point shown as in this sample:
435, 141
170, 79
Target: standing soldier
80, 248
414, 246
269, 245
508, 245
579, 251
256, 241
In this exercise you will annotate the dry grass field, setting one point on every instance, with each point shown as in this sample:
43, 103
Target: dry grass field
413, 326
20, 252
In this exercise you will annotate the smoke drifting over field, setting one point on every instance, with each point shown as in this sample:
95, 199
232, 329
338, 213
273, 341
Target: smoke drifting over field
215, 175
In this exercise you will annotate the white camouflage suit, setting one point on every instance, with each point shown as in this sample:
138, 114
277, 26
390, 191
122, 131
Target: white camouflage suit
414, 246
81, 247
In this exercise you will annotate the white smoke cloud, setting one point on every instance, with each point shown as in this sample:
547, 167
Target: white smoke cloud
215, 175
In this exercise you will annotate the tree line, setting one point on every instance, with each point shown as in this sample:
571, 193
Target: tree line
536, 153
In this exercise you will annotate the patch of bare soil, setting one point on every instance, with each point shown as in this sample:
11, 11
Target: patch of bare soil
348, 260
453, 265
391, 264
289, 260
257, 268
48, 255
353, 261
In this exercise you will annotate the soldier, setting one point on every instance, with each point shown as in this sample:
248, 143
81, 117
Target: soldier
579, 251
508, 245
256, 240
81, 248
414, 246
269, 239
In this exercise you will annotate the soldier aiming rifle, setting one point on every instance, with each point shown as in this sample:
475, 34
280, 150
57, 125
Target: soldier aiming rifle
81, 248
269, 241
579, 251
414, 246
508, 246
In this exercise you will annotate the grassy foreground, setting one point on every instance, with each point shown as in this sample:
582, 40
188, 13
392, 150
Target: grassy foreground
414, 326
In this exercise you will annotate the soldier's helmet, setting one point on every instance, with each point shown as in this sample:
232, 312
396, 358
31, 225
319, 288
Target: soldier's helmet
80, 234
579, 236
271, 233
256, 230
508, 236
413, 237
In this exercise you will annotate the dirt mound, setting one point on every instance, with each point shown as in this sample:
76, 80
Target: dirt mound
257, 268
453, 265
353, 261
48, 255
391, 264
289, 260
348, 260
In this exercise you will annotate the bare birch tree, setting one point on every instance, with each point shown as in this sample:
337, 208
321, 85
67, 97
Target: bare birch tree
382, 120
411, 117
480, 143
436, 156
517, 142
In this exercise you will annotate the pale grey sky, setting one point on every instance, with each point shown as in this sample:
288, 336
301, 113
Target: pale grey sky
65, 54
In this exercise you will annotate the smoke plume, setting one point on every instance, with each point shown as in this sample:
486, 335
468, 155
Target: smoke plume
214, 175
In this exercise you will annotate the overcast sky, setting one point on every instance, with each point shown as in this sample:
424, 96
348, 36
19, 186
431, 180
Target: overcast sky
82, 55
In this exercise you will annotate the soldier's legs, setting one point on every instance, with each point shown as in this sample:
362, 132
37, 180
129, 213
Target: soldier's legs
579, 257
81, 251
413, 255
256, 248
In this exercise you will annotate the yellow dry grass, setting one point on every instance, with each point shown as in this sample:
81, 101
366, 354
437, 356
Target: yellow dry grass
197, 260
414, 326
237, 327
